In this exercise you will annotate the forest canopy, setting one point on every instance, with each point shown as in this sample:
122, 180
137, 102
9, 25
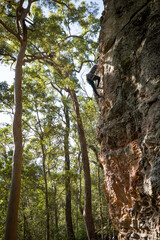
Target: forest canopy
50, 174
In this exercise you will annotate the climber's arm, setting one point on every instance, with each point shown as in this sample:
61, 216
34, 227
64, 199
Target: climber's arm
100, 67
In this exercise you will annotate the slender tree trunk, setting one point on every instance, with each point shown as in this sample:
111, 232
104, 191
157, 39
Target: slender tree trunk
68, 208
26, 231
80, 190
99, 165
55, 210
100, 201
54, 216
80, 185
46, 191
12, 213
51, 222
87, 213
41, 136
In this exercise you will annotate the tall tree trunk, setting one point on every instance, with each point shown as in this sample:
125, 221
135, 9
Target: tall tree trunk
51, 216
99, 165
87, 213
100, 201
68, 211
80, 185
54, 215
55, 210
41, 136
26, 230
46, 191
79, 190
12, 213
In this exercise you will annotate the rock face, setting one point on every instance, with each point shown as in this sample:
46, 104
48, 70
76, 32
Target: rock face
129, 126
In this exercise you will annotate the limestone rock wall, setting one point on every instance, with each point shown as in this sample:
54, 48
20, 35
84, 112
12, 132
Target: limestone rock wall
129, 124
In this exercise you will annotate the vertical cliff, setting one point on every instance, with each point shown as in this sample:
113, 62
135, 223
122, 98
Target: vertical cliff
129, 126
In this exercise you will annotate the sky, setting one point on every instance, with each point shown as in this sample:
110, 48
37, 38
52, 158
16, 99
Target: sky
7, 73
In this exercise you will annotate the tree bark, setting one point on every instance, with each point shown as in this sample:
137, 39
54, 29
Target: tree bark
87, 213
41, 136
68, 208
46, 192
56, 211
21, 35
100, 200
99, 165
80, 185
12, 213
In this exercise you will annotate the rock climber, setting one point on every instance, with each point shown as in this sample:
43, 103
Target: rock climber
91, 77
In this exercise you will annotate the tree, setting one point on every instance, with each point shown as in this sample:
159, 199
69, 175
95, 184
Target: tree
20, 33
61, 52
6, 152
6, 98
87, 212
68, 211
44, 156
40, 99
68, 207
64, 65
42, 127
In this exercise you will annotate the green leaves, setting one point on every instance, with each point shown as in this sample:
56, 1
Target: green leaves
62, 37
6, 97
6, 152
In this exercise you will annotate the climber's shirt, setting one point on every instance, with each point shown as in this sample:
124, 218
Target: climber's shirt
91, 74
91, 77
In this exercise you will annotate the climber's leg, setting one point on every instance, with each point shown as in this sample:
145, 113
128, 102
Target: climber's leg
94, 88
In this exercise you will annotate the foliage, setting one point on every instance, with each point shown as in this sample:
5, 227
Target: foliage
6, 97
6, 152
61, 39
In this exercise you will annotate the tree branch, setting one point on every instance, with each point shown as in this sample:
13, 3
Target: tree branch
86, 61
76, 36
30, 126
62, 3
8, 55
94, 149
33, 58
56, 88
10, 30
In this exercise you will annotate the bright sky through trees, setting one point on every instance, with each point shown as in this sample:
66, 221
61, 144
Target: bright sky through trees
7, 72
51, 125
